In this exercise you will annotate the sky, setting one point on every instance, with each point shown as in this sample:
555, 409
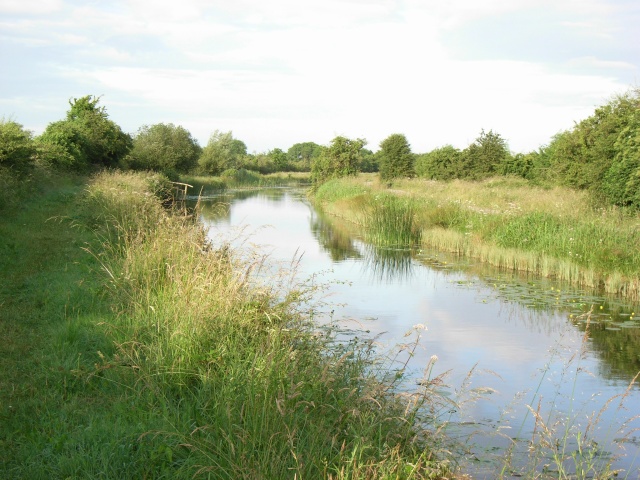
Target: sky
280, 72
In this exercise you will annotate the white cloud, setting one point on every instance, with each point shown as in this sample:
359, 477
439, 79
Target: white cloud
33, 7
286, 71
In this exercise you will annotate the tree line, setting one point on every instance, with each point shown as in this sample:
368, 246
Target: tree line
600, 154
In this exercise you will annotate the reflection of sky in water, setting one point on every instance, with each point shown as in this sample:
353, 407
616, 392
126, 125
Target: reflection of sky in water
467, 325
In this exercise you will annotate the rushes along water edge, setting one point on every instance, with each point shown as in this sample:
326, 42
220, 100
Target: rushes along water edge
507, 224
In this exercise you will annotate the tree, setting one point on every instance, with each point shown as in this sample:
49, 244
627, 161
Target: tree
339, 159
483, 157
279, 159
222, 152
302, 155
396, 159
17, 149
621, 182
442, 163
164, 148
86, 136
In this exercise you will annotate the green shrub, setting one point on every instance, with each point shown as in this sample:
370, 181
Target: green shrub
17, 149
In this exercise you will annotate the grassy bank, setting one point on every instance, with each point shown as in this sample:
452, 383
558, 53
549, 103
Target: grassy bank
244, 179
505, 222
136, 351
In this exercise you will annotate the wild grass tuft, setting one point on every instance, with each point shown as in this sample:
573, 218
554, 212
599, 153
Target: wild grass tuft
246, 385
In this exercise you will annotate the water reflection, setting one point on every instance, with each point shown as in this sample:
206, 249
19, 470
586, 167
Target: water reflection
388, 264
334, 237
528, 331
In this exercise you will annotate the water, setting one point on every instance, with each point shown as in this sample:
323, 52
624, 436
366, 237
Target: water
502, 341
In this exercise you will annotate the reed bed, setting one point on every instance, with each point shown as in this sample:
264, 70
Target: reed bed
244, 382
244, 179
505, 222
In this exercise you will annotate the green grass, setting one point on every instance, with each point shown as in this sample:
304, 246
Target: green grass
242, 178
505, 222
135, 350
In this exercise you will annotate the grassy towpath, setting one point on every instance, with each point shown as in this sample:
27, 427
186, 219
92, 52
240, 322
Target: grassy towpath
49, 306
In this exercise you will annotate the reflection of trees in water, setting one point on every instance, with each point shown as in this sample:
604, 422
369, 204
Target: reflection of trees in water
619, 349
331, 236
217, 209
388, 264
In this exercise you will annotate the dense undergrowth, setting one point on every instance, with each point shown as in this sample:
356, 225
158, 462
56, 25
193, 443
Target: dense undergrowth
507, 222
138, 351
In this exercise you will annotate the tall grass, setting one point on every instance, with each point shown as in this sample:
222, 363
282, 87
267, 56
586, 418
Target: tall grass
507, 223
242, 178
391, 221
246, 384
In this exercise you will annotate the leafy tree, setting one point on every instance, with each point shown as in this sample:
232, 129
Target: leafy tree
582, 156
302, 155
369, 161
87, 136
520, 165
221, 153
396, 159
164, 148
484, 156
442, 163
279, 159
339, 159
621, 182
17, 149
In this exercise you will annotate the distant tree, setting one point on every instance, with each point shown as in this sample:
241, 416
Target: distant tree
279, 159
483, 157
17, 149
396, 159
520, 165
87, 136
164, 148
221, 153
301, 155
369, 161
339, 159
442, 163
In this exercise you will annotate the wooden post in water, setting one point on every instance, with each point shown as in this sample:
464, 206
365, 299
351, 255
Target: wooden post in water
181, 192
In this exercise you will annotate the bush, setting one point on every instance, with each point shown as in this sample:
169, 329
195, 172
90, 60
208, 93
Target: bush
17, 149
86, 137
164, 148
396, 159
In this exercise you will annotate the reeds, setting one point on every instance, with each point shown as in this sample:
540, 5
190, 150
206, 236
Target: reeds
504, 222
247, 384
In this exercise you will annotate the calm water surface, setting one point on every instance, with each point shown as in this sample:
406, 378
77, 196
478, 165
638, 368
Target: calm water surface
522, 339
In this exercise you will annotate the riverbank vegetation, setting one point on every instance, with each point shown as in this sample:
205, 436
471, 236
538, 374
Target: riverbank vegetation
507, 222
134, 349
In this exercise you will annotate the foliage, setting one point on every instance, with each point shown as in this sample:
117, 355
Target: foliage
339, 159
17, 149
86, 137
598, 153
519, 165
222, 152
163, 148
439, 164
396, 159
509, 223
621, 182
484, 156
369, 161
279, 159
302, 155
